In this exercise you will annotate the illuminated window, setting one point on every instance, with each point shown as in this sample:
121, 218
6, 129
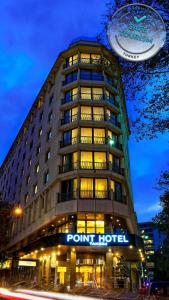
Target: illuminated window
100, 160
81, 226
97, 93
70, 115
86, 188
35, 189
90, 58
99, 226
71, 60
98, 113
86, 161
85, 58
37, 168
90, 226
86, 113
86, 93
112, 185
100, 188
91, 93
74, 135
99, 136
95, 58
86, 135
71, 95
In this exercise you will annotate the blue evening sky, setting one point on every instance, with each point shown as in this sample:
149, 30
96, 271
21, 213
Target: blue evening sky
32, 33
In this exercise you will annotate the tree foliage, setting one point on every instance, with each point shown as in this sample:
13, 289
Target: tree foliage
5, 215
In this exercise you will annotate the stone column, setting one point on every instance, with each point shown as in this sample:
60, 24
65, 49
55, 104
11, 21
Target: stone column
108, 269
71, 268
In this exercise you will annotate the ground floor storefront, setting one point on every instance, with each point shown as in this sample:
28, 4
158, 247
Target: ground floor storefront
70, 260
78, 266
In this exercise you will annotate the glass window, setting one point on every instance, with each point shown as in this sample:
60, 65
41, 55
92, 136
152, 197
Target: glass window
86, 161
74, 157
86, 188
95, 58
98, 113
86, 113
118, 192
99, 226
74, 93
100, 160
74, 113
67, 138
35, 189
73, 59
99, 136
100, 188
85, 58
112, 185
86, 135
81, 226
74, 135
110, 158
86, 93
97, 93
90, 226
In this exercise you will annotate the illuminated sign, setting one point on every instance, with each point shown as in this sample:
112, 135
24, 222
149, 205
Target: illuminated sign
97, 239
26, 263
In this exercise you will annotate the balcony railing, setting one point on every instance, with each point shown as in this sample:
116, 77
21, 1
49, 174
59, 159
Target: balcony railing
68, 167
91, 77
91, 140
89, 165
69, 80
90, 97
91, 194
70, 119
70, 64
91, 117
94, 61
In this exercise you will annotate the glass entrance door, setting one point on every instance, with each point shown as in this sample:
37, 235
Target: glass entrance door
89, 275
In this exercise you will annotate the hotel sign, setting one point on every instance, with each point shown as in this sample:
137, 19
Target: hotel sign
97, 239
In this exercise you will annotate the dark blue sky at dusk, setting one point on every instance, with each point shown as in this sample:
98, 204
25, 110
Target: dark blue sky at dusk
32, 33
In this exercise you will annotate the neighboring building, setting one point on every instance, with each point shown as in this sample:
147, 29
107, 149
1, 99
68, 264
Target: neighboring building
69, 169
153, 240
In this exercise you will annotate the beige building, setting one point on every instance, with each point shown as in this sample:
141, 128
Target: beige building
68, 168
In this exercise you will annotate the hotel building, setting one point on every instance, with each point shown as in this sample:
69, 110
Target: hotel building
68, 168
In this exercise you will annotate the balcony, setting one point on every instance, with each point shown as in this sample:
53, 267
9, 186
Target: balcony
88, 61
92, 140
92, 195
69, 80
91, 77
88, 165
90, 97
68, 167
91, 117
83, 194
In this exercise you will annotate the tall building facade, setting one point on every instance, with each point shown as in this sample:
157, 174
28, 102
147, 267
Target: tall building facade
153, 240
68, 168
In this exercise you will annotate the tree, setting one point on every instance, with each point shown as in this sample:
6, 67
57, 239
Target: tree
161, 220
148, 79
5, 215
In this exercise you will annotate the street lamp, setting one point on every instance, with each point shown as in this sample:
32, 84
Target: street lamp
17, 211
